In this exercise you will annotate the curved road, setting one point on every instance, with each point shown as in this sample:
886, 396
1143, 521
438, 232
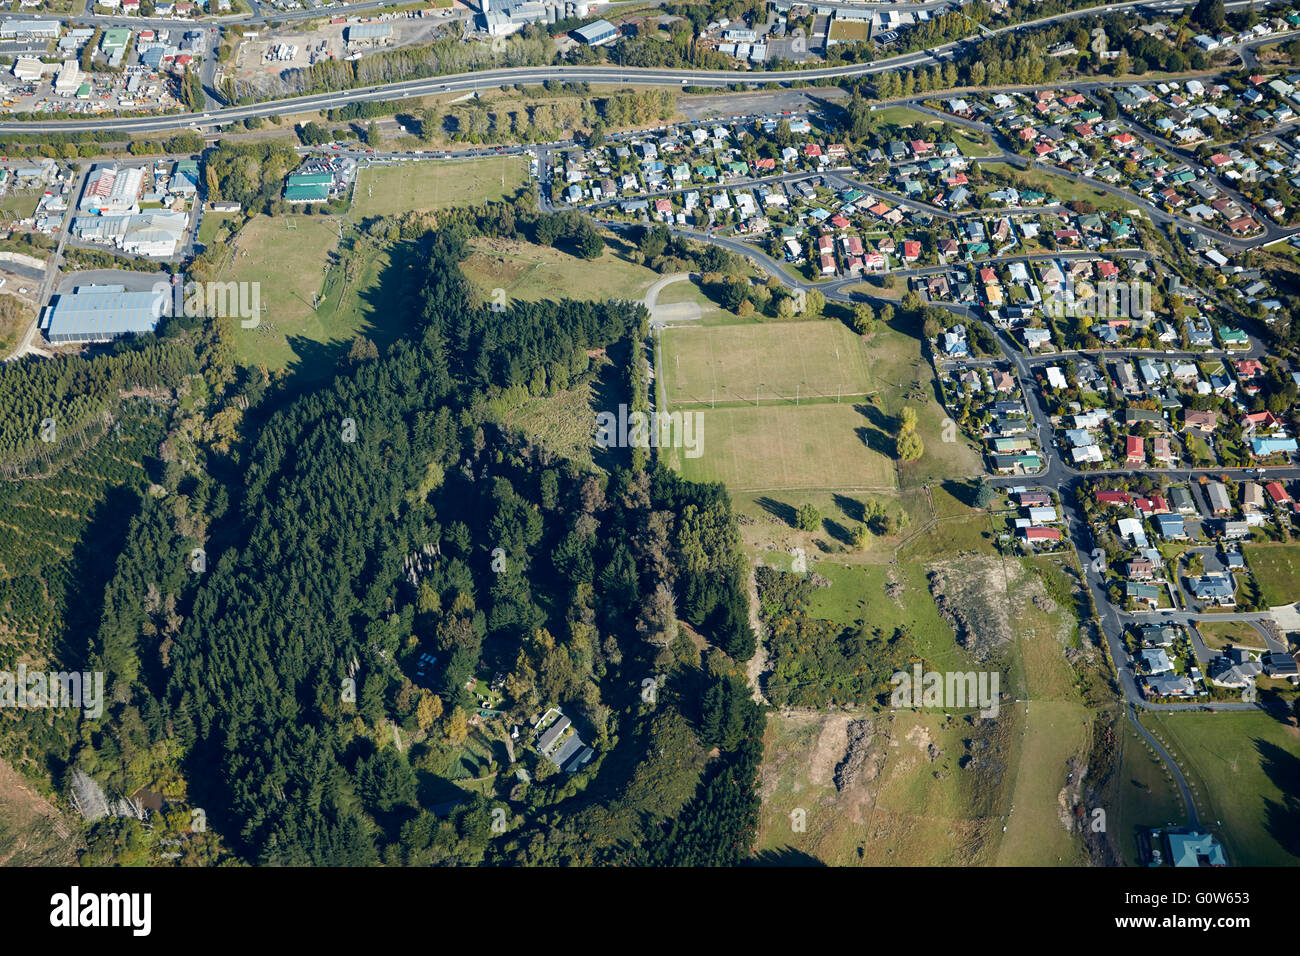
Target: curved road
1193, 819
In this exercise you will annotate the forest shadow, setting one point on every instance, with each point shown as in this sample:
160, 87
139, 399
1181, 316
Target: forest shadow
1282, 820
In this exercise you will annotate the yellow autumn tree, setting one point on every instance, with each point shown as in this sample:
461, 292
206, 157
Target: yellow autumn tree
428, 710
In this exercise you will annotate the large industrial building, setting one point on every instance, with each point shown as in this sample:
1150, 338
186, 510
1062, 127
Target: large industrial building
371, 33
504, 17
23, 29
101, 313
595, 34
154, 234
112, 189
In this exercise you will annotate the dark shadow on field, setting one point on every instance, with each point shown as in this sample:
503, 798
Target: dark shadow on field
778, 509
963, 491
785, 856
879, 437
838, 531
937, 389
1282, 820
608, 391
851, 508
391, 307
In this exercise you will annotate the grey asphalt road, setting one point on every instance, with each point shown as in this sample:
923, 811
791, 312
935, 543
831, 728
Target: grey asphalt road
535, 75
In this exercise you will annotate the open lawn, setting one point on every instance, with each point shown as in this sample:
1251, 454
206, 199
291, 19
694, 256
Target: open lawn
1053, 750
1062, 189
937, 789
920, 796
910, 806
902, 116
969, 143
20, 204
800, 436
536, 273
1277, 569
967, 140
829, 446
701, 307
774, 360
1246, 767
859, 593
212, 223
881, 286
769, 524
848, 32
1237, 633
293, 267
422, 186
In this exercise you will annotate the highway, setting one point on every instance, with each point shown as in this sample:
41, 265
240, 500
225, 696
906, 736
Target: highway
471, 82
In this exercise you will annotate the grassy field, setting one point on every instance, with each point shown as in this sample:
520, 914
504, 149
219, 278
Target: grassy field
535, 273
390, 190
1277, 569
902, 116
970, 145
709, 311
1246, 770
966, 140
820, 442
918, 800
20, 204
922, 799
774, 447
15, 314
1237, 633
768, 524
212, 221
847, 32
1053, 749
293, 268
858, 592
731, 363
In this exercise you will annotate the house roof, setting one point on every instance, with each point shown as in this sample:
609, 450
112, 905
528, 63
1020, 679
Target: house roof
1195, 849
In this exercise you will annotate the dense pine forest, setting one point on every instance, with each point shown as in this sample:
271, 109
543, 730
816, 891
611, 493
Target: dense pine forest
329, 620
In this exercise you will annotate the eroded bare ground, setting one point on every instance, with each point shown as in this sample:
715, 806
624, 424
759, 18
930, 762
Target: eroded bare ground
971, 595
865, 784
32, 831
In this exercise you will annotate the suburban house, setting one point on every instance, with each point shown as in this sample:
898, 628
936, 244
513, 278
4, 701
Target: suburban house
1134, 450
558, 742
1155, 660
1137, 593
1216, 588
1235, 668
1195, 849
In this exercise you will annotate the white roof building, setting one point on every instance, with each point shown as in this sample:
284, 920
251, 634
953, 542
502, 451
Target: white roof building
28, 69
69, 78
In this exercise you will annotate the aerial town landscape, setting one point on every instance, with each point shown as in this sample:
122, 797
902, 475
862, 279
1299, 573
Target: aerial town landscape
686, 433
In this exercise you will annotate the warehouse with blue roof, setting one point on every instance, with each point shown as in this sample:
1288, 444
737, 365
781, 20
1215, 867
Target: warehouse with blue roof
594, 34
101, 313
